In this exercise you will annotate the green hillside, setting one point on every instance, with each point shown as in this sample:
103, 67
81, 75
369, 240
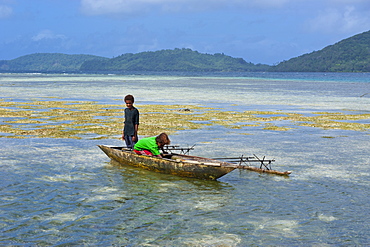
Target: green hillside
172, 60
46, 62
348, 55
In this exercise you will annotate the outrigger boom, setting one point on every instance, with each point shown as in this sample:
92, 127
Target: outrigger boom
240, 162
178, 148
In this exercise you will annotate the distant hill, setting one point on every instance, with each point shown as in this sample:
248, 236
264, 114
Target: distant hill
172, 60
46, 62
348, 55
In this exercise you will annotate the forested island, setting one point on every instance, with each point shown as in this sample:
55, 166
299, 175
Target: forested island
46, 62
173, 60
348, 55
163, 60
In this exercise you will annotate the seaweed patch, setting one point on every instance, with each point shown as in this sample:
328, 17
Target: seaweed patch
90, 119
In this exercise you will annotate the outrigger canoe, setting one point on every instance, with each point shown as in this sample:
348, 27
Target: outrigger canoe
184, 165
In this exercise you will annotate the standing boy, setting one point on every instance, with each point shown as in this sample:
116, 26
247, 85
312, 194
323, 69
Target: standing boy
131, 124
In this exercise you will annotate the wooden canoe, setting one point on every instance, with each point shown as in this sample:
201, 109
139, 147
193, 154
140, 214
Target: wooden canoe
176, 164
188, 166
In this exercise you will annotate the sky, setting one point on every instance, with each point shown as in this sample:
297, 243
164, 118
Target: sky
259, 31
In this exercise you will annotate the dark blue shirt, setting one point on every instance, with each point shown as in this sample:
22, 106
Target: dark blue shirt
131, 119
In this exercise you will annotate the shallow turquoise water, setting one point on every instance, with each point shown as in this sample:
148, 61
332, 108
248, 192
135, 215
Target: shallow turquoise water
67, 192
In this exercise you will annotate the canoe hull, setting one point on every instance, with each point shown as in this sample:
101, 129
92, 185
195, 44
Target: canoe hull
202, 169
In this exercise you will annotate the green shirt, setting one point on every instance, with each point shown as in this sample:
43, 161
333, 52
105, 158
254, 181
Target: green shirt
148, 143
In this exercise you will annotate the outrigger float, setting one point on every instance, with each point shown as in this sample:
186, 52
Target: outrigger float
184, 165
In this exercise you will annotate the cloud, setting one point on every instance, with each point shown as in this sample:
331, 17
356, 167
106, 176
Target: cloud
346, 20
348, 1
103, 7
5, 11
47, 34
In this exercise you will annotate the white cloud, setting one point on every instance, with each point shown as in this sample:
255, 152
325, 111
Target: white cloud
101, 7
348, 1
5, 11
47, 34
346, 20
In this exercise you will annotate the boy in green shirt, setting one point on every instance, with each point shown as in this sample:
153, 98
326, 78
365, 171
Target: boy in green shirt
151, 145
